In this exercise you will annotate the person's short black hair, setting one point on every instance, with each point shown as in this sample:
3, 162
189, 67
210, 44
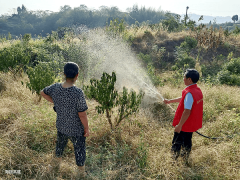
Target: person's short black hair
71, 69
193, 74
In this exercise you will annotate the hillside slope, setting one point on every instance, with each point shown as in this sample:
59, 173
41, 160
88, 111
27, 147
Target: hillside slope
139, 149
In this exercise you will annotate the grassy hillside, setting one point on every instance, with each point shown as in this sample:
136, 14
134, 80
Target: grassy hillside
140, 147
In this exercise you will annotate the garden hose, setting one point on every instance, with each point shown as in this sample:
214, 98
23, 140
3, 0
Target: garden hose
197, 131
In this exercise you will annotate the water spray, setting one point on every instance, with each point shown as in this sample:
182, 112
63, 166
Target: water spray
107, 54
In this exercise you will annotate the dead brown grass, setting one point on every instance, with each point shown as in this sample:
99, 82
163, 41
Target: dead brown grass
33, 127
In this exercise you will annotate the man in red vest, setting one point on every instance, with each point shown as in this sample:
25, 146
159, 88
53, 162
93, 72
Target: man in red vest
188, 117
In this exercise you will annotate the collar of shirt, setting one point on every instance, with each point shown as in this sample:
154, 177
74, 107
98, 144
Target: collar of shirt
191, 84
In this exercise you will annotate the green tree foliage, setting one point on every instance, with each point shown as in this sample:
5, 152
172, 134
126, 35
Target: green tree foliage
235, 18
151, 71
236, 30
230, 74
189, 44
116, 26
144, 14
44, 22
27, 38
13, 57
172, 23
184, 60
40, 76
103, 91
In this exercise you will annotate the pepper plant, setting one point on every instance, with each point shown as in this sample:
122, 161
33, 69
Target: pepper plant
112, 101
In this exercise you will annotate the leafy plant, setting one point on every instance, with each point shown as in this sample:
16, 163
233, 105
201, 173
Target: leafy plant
172, 23
142, 155
230, 73
13, 57
156, 80
104, 93
189, 44
40, 76
116, 26
27, 38
147, 59
236, 30
183, 60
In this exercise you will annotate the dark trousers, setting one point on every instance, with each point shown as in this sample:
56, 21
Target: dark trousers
182, 141
78, 143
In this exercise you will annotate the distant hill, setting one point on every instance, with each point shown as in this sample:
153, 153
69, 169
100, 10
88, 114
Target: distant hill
207, 19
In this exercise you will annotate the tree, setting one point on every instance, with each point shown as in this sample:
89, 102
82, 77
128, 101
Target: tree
40, 76
171, 23
109, 99
235, 18
186, 17
19, 10
24, 9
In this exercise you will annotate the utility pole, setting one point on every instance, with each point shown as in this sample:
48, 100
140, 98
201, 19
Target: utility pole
186, 15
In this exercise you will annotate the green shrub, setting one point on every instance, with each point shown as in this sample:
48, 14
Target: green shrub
142, 155
116, 27
184, 61
189, 43
171, 23
156, 80
233, 66
146, 58
13, 57
225, 77
236, 30
104, 93
230, 73
40, 76
27, 38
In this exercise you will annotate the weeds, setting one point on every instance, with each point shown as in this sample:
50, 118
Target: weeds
139, 151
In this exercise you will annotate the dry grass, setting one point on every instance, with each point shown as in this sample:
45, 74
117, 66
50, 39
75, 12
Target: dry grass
29, 133
158, 34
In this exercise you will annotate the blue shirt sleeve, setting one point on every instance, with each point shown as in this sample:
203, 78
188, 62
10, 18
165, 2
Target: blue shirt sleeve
188, 101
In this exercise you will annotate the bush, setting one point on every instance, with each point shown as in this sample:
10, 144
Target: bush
236, 30
104, 93
189, 43
146, 58
230, 73
171, 23
13, 57
156, 80
40, 76
184, 60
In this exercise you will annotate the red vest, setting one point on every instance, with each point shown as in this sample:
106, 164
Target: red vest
194, 121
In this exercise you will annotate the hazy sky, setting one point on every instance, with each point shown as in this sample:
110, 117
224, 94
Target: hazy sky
201, 7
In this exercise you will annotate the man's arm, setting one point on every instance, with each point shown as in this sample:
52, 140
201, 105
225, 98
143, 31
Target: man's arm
168, 101
47, 97
185, 115
84, 120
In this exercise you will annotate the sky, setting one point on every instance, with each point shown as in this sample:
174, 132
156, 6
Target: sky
200, 7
